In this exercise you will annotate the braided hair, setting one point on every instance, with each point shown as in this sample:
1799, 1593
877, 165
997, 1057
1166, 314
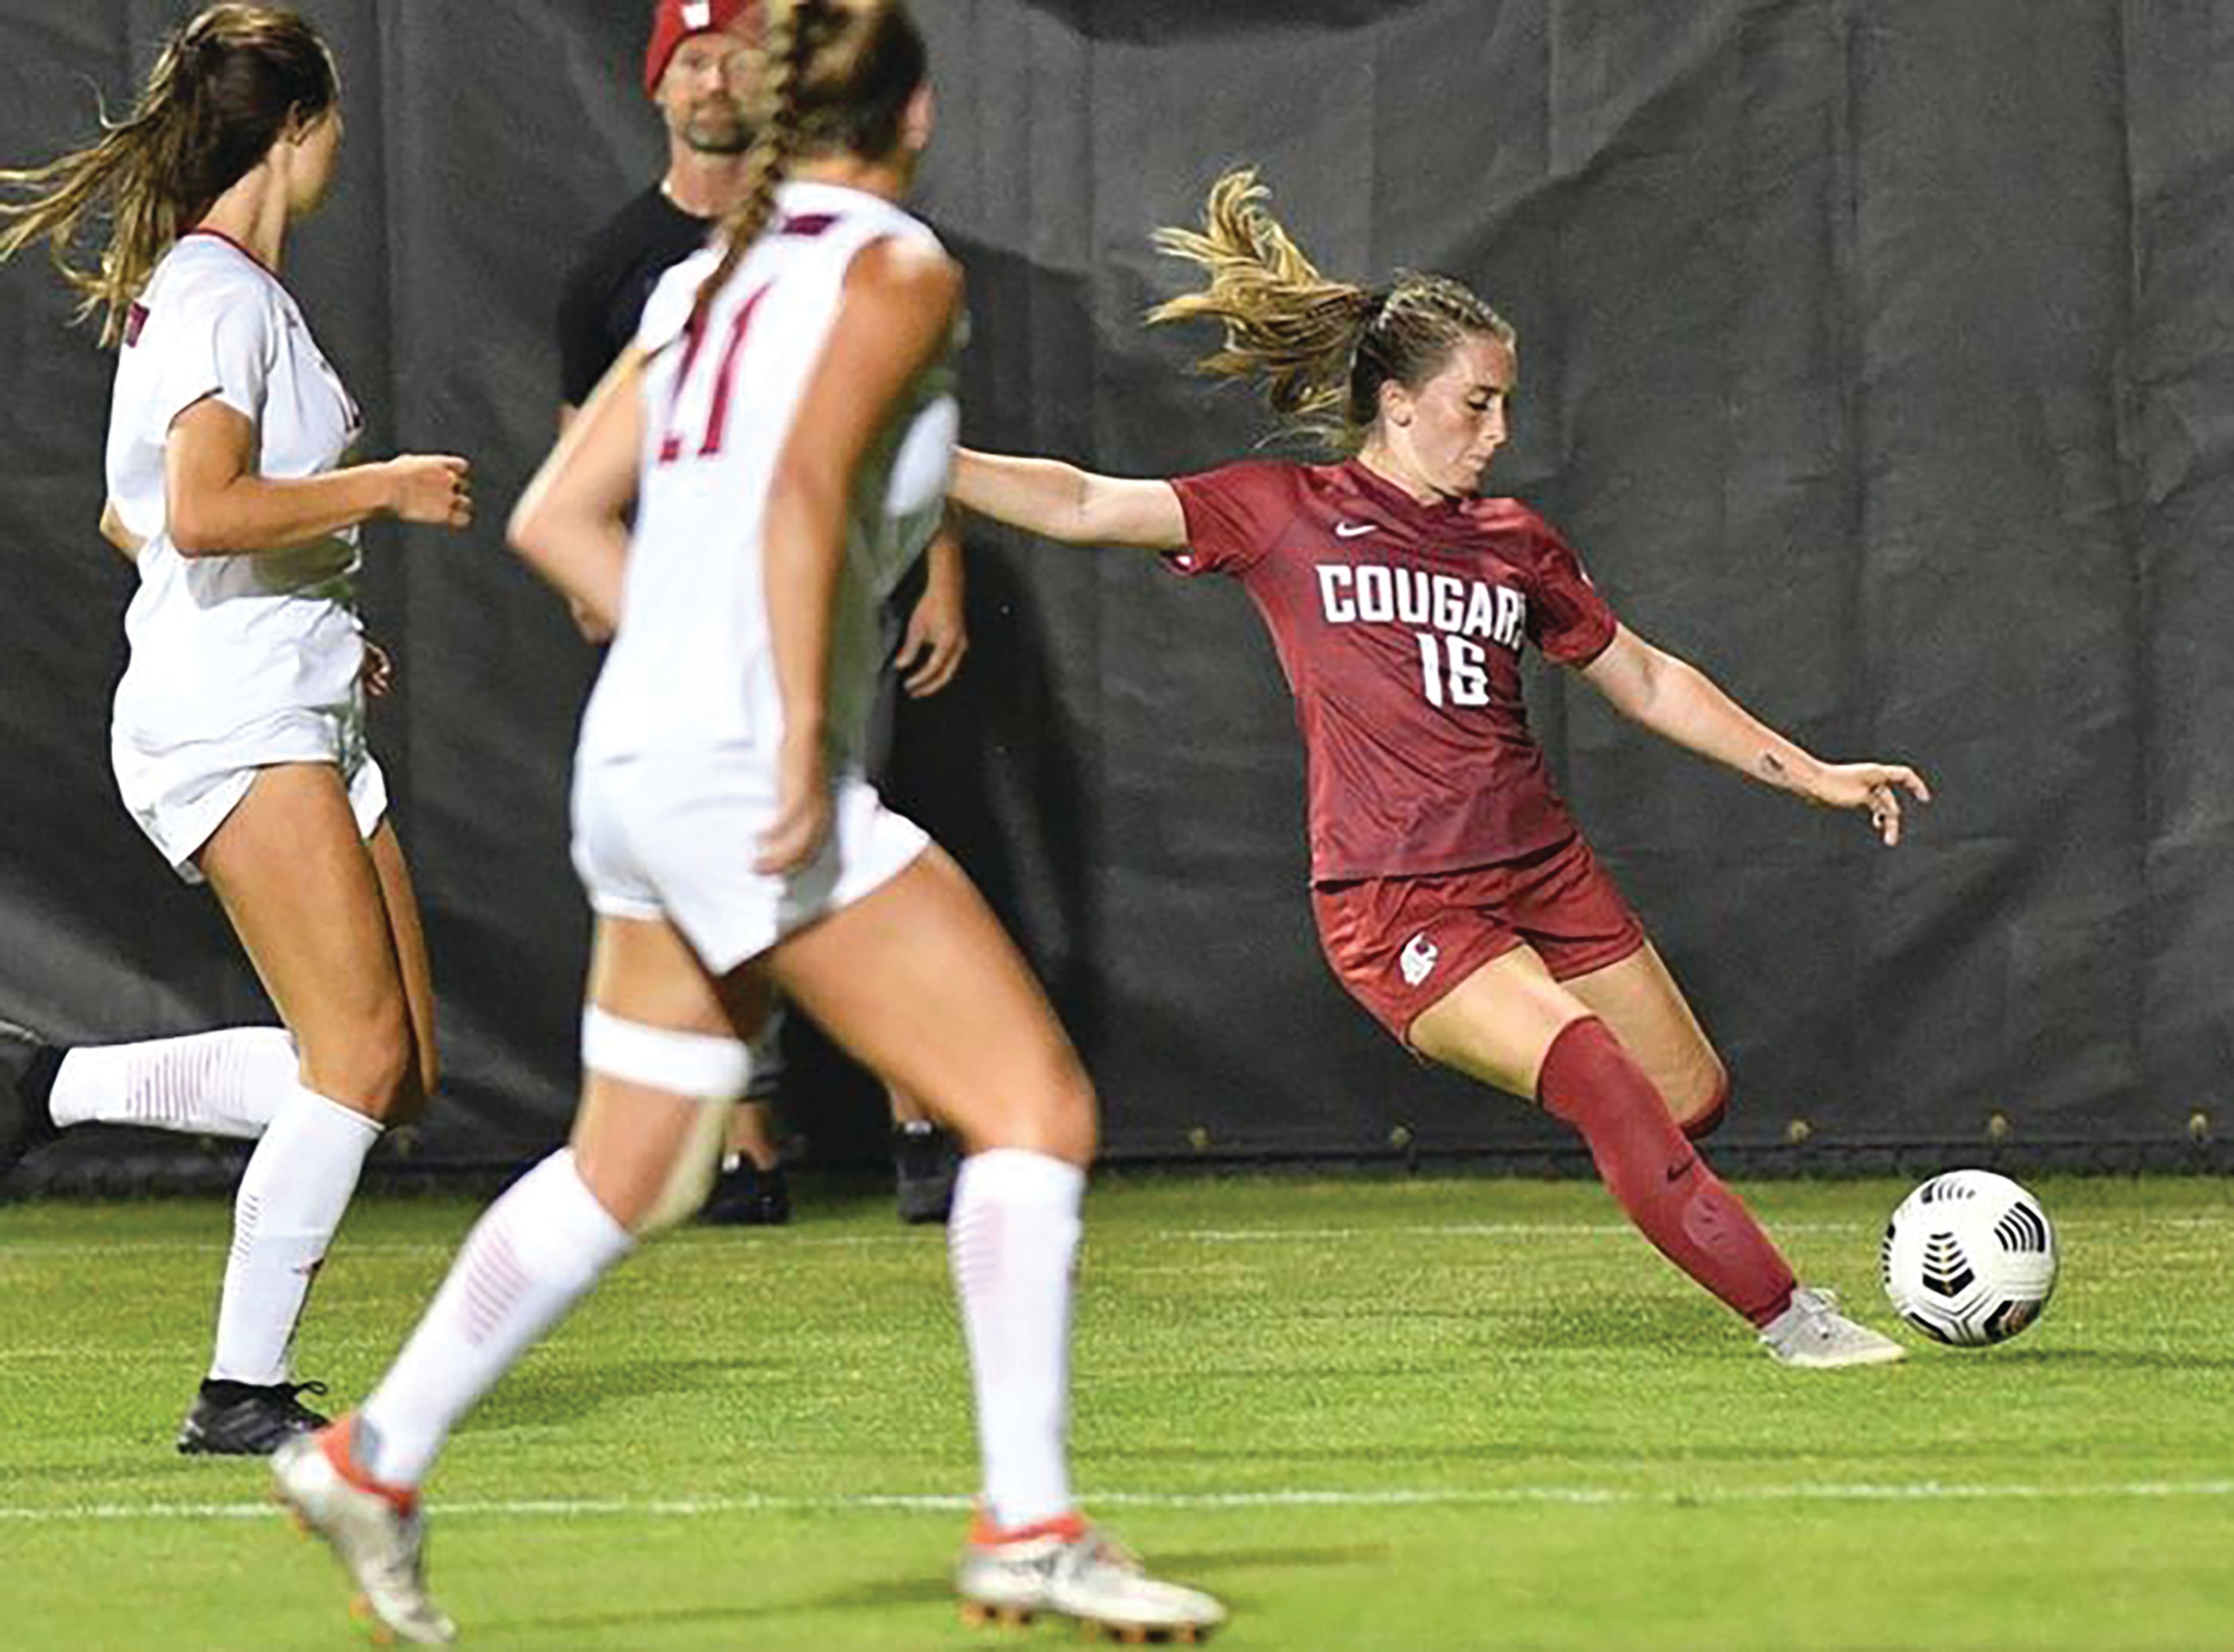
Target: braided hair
835, 76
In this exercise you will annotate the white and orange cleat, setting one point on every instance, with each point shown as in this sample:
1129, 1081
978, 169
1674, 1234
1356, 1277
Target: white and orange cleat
377, 1532
1065, 1566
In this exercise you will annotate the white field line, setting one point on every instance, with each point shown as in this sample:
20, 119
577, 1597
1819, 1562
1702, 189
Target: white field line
1487, 1496
13, 1249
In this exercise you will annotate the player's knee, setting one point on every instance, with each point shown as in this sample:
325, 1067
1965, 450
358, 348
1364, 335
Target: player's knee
1701, 1112
371, 1064
1074, 1121
710, 1070
1057, 1114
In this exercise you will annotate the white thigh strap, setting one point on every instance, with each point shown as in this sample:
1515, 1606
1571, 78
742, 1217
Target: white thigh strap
703, 1065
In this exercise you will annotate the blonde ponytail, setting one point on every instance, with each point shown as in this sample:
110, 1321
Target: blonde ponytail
1318, 349
1287, 327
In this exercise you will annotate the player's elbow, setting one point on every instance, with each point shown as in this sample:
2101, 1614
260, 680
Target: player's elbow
521, 528
803, 495
1097, 513
1648, 686
196, 530
532, 530
1635, 677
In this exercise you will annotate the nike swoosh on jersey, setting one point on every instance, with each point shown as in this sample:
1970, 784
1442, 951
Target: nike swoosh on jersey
1352, 530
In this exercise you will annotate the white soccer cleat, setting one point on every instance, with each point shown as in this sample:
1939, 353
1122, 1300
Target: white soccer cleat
1812, 1334
1065, 1565
379, 1543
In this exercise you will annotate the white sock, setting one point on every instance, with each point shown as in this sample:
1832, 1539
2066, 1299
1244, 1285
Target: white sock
227, 1083
297, 1184
1013, 1238
532, 1255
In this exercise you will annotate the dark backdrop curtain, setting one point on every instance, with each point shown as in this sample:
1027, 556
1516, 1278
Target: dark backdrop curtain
1875, 352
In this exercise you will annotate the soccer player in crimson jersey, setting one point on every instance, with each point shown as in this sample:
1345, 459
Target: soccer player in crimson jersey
1455, 899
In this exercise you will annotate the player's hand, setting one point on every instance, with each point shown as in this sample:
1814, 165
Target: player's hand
802, 811
433, 488
938, 636
1874, 787
377, 674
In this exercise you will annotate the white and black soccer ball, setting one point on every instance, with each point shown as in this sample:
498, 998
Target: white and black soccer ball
1969, 1258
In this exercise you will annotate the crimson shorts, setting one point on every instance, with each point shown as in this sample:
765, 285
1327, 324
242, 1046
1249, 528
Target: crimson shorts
1398, 945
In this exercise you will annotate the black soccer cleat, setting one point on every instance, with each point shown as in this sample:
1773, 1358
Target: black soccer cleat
925, 1165
745, 1196
27, 1066
247, 1419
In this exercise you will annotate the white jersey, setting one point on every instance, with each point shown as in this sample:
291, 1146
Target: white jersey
692, 664
223, 645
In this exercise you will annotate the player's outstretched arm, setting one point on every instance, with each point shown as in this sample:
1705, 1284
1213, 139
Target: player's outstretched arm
896, 316
572, 524
216, 505
1059, 501
1680, 703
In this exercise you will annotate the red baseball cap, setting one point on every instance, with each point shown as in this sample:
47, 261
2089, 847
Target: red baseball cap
674, 21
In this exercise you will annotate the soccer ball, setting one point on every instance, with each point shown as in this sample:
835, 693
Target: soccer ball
1969, 1258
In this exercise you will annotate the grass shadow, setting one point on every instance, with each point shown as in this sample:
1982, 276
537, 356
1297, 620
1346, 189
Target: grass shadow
2108, 1359
1667, 1324
556, 1627
568, 1393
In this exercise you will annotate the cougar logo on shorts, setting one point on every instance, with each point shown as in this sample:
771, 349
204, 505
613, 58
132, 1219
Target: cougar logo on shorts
1418, 960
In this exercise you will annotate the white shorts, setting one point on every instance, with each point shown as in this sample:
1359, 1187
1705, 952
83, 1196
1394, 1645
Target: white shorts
181, 793
672, 836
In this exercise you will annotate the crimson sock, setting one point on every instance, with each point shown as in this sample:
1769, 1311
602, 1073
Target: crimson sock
1589, 1080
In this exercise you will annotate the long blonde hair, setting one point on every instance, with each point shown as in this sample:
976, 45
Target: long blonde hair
832, 75
1318, 349
224, 89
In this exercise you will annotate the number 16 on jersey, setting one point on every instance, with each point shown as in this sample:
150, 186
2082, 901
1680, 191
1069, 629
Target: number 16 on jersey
1453, 671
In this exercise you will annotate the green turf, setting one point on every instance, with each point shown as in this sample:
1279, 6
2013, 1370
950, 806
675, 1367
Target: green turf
1569, 1444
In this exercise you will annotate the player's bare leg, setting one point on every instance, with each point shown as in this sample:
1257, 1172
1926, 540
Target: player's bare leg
1496, 1024
664, 1066
752, 1135
312, 907
227, 1083
919, 981
1640, 1000
407, 933
304, 893
1512, 1025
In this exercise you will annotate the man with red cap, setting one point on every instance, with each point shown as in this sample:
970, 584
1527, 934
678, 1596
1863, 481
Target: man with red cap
693, 70
698, 68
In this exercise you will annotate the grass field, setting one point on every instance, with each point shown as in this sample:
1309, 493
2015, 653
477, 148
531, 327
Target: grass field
1371, 1414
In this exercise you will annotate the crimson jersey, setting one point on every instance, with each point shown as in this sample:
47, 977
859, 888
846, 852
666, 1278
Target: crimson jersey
1400, 626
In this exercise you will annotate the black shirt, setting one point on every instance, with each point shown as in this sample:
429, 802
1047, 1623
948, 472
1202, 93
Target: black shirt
604, 294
